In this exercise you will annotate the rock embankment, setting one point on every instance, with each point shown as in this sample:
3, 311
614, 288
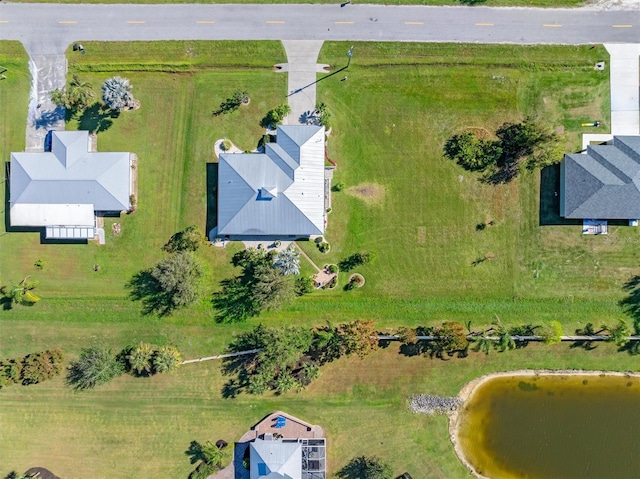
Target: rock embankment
428, 404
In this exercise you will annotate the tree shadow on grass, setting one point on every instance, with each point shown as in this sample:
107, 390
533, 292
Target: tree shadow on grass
195, 453
631, 306
234, 302
97, 118
147, 289
235, 367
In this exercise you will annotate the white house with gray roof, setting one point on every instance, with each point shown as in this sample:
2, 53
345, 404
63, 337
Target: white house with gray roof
63, 189
280, 192
604, 182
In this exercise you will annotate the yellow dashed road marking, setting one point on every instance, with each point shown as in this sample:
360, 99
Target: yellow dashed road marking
68, 22
275, 22
551, 25
414, 23
344, 23
136, 22
484, 24
621, 26
205, 21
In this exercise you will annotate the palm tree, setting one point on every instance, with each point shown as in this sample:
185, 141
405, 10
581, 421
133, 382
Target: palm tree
96, 366
22, 293
140, 358
166, 359
618, 334
60, 98
288, 261
505, 341
116, 93
80, 93
212, 454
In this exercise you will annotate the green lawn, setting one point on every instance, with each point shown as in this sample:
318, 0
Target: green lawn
488, 3
390, 119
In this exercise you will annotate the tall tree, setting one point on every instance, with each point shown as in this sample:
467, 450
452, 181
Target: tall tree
450, 337
618, 334
95, 367
172, 283
270, 289
80, 93
189, 239
366, 467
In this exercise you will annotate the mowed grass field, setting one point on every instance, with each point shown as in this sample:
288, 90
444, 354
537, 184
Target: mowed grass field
146, 424
391, 117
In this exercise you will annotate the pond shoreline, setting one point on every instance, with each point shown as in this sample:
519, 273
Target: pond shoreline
472, 386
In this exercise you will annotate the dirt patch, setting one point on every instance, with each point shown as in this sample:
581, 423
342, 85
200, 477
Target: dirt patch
422, 234
370, 193
479, 132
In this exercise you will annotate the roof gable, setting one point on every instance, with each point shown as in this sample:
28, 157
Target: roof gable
71, 175
604, 182
279, 192
275, 459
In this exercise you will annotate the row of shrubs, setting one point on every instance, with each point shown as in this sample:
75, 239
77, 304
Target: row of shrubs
33, 368
98, 365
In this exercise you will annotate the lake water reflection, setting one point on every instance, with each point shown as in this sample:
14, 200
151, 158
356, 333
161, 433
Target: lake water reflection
553, 427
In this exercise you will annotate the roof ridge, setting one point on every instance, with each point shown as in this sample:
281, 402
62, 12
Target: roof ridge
244, 181
302, 213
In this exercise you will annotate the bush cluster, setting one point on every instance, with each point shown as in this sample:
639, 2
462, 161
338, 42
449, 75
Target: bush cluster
98, 365
147, 359
290, 358
33, 368
530, 143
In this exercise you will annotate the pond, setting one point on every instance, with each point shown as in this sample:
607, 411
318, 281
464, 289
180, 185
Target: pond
552, 426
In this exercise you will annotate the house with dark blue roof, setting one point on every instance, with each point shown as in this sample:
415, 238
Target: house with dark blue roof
603, 182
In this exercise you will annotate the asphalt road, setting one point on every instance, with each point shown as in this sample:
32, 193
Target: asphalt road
49, 28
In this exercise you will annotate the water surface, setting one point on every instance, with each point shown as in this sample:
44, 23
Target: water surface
553, 427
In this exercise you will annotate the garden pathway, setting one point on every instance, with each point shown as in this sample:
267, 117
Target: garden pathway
308, 258
302, 68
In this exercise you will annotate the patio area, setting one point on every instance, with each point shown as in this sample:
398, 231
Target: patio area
595, 227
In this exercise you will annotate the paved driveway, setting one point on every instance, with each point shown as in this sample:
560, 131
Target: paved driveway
625, 88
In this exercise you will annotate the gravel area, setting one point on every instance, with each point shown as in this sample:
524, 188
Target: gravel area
427, 404
614, 4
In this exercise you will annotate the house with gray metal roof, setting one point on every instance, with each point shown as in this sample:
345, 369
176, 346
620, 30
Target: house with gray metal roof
602, 183
63, 189
280, 192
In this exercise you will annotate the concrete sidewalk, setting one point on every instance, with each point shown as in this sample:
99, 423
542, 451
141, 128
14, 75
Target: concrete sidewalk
48, 72
625, 88
302, 69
